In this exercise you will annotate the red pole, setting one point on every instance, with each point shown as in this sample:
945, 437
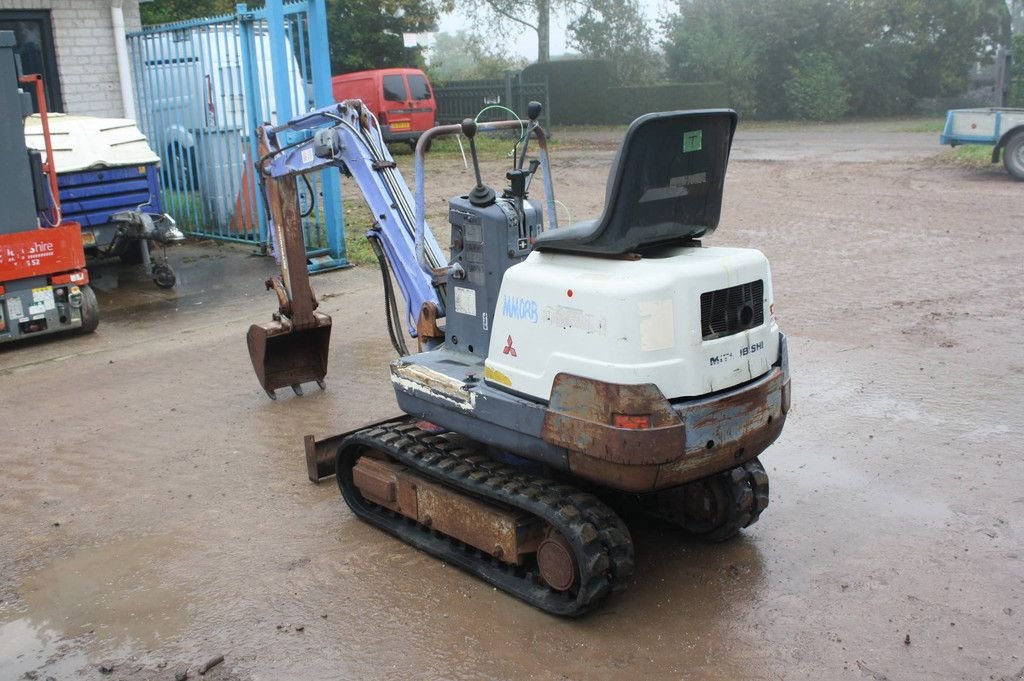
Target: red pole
48, 168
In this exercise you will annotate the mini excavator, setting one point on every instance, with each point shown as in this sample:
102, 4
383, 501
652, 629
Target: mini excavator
560, 372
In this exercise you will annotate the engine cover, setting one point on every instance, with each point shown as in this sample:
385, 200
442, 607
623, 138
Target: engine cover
691, 320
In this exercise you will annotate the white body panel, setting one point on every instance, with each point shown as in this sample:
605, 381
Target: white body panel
627, 322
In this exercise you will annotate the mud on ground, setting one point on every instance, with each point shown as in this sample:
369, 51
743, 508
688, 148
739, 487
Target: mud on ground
154, 509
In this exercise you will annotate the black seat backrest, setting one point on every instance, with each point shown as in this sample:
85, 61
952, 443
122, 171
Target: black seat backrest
665, 186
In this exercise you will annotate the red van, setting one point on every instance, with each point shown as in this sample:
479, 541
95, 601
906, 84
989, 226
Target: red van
401, 99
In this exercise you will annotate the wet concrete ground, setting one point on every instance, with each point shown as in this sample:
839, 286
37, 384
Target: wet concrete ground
154, 509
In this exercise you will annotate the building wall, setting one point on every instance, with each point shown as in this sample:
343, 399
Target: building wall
83, 36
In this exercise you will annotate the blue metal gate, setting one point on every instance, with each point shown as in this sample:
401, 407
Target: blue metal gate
203, 86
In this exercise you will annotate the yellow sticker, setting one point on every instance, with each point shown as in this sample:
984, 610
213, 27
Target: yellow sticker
497, 377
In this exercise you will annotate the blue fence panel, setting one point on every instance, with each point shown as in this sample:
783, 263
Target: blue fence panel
202, 88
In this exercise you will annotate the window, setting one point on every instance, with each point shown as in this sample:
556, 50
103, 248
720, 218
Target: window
394, 89
33, 34
418, 87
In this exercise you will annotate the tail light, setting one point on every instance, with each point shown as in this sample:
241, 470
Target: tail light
382, 118
632, 421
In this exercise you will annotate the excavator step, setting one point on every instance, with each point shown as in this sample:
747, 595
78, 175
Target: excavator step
550, 544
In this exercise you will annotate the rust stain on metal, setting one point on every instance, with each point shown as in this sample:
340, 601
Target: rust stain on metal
506, 534
321, 455
687, 441
426, 325
292, 349
283, 355
581, 413
557, 563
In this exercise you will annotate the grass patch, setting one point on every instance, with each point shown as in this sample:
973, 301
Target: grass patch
357, 220
489, 145
970, 156
936, 125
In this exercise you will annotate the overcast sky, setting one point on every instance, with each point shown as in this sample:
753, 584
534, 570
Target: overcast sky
524, 43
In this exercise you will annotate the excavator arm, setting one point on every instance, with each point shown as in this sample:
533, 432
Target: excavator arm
345, 136
292, 349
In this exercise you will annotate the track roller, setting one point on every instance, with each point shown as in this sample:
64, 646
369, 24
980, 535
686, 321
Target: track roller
714, 508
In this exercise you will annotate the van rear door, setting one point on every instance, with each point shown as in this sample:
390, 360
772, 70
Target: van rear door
395, 108
421, 100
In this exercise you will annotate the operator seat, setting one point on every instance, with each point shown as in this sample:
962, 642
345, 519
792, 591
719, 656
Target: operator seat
665, 186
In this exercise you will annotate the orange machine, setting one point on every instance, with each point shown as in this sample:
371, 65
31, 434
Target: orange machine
43, 281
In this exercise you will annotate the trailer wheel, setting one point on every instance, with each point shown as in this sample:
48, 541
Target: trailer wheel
163, 276
1013, 155
90, 310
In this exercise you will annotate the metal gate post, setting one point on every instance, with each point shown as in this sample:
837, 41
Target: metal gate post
279, 61
330, 179
252, 109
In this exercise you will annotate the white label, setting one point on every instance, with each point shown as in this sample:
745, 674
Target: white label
465, 301
43, 296
485, 321
14, 310
657, 330
307, 155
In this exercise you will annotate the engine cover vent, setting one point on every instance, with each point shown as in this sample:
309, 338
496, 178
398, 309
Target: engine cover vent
731, 310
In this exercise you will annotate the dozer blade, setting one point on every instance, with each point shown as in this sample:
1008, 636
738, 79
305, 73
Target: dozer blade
284, 356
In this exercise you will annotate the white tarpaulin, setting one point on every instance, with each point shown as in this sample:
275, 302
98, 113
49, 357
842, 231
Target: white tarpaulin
85, 142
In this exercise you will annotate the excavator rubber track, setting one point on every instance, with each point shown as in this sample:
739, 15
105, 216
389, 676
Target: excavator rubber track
599, 539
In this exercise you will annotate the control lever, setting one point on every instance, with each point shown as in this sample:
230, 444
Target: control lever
520, 179
533, 110
481, 194
534, 164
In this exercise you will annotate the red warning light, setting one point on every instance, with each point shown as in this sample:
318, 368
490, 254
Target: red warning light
634, 421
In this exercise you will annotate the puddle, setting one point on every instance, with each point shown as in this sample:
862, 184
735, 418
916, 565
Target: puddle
113, 596
26, 647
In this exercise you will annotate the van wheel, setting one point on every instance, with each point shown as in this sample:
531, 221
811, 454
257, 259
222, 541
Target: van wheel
413, 143
180, 172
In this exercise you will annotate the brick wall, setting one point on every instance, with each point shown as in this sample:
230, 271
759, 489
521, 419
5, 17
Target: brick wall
84, 39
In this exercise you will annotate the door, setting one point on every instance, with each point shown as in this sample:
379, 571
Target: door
395, 113
33, 33
421, 102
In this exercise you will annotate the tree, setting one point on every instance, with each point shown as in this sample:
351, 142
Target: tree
704, 42
166, 11
815, 90
464, 56
368, 34
947, 37
616, 30
362, 34
888, 53
532, 14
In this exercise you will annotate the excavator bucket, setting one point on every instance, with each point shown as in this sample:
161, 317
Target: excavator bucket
284, 356
292, 349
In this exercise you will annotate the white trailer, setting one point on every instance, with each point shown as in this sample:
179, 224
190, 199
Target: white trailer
1001, 128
